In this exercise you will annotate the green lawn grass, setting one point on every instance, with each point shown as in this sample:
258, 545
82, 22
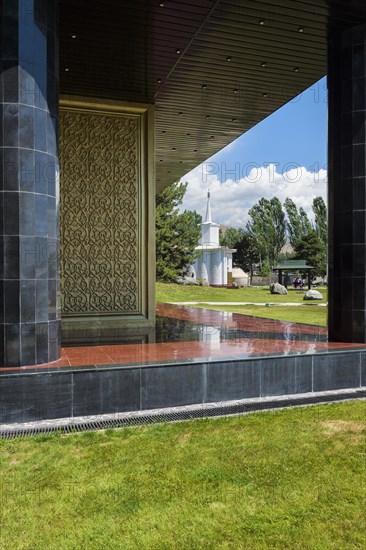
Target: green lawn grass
170, 292
308, 313
288, 479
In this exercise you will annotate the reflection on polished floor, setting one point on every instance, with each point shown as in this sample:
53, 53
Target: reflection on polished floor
185, 334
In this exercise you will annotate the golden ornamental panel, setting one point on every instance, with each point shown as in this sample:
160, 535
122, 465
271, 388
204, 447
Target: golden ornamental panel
100, 207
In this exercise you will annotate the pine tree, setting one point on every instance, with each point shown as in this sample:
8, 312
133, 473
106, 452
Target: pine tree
177, 234
246, 252
312, 249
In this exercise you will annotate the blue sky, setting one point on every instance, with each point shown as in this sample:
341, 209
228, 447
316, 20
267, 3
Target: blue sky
284, 155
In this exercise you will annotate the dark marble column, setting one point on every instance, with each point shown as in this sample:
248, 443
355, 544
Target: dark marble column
347, 184
29, 196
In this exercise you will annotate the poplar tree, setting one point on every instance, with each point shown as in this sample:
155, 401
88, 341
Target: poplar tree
298, 224
320, 213
268, 228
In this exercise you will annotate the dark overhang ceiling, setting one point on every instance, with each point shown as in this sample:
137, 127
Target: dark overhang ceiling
214, 69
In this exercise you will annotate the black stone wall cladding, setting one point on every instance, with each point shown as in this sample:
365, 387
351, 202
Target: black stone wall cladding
347, 185
29, 197
90, 390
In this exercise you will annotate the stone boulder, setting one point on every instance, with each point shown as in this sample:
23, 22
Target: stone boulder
276, 288
313, 295
240, 278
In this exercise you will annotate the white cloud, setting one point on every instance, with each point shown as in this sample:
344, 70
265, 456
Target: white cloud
231, 198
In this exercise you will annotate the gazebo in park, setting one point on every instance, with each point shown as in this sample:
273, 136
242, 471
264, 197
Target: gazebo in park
294, 266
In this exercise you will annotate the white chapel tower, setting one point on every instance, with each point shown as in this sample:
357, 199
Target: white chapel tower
214, 264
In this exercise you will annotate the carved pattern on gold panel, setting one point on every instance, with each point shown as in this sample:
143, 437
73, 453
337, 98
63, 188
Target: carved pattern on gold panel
99, 212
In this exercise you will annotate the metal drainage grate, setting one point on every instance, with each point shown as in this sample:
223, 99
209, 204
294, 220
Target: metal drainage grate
176, 416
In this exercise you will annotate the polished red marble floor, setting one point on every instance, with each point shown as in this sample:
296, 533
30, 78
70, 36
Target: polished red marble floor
219, 335
235, 320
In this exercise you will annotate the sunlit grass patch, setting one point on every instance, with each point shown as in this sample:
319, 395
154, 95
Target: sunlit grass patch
169, 292
308, 314
285, 479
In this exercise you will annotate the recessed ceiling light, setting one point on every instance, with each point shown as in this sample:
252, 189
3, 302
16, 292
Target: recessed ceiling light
296, 69
204, 87
161, 4
229, 58
301, 29
261, 21
163, 132
265, 95
207, 116
264, 64
159, 81
73, 36
173, 148
235, 91
212, 137
177, 51
180, 113
67, 69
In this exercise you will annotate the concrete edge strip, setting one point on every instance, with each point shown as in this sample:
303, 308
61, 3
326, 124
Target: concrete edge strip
181, 413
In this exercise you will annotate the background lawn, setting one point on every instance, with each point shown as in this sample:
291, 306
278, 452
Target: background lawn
308, 313
291, 479
170, 292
